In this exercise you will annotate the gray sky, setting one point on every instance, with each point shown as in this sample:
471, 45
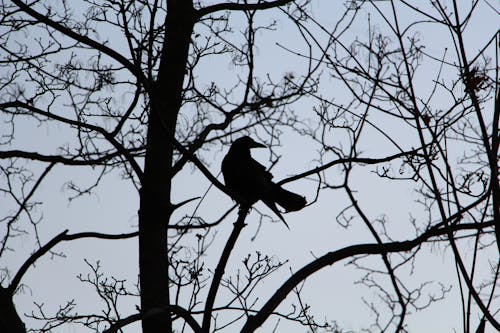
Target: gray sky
332, 293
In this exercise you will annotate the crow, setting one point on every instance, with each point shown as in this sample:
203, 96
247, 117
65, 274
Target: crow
250, 180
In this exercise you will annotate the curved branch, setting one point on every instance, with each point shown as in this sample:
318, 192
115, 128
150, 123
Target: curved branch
31, 260
63, 236
98, 235
129, 111
330, 258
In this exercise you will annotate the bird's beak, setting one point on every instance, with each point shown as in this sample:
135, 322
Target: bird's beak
257, 145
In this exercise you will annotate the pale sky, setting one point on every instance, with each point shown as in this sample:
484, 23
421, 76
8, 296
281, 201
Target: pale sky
333, 292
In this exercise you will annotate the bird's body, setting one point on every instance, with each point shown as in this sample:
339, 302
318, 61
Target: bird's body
250, 180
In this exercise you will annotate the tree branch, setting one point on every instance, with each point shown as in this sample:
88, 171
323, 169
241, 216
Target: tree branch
330, 258
117, 145
23, 205
63, 236
240, 7
56, 158
363, 160
175, 309
219, 271
82, 39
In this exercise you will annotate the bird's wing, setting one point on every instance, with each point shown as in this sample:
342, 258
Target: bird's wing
246, 177
262, 171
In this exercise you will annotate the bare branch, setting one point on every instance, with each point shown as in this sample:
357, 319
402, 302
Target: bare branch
330, 258
240, 7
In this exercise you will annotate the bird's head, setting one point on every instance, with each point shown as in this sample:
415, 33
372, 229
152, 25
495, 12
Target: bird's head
246, 142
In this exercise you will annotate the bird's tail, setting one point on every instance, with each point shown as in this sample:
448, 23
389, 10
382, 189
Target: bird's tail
288, 200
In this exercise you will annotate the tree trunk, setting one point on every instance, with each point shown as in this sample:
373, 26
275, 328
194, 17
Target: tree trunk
9, 319
155, 206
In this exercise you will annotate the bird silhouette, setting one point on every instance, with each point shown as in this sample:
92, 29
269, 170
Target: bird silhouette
250, 180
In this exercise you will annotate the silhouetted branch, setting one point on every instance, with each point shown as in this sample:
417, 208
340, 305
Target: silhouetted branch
57, 158
174, 309
23, 206
330, 258
385, 258
362, 160
240, 7
202, 224
182, 203
221, 266
63, 236
34, 257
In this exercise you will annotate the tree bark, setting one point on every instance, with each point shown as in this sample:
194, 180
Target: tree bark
155, 204
9, 319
